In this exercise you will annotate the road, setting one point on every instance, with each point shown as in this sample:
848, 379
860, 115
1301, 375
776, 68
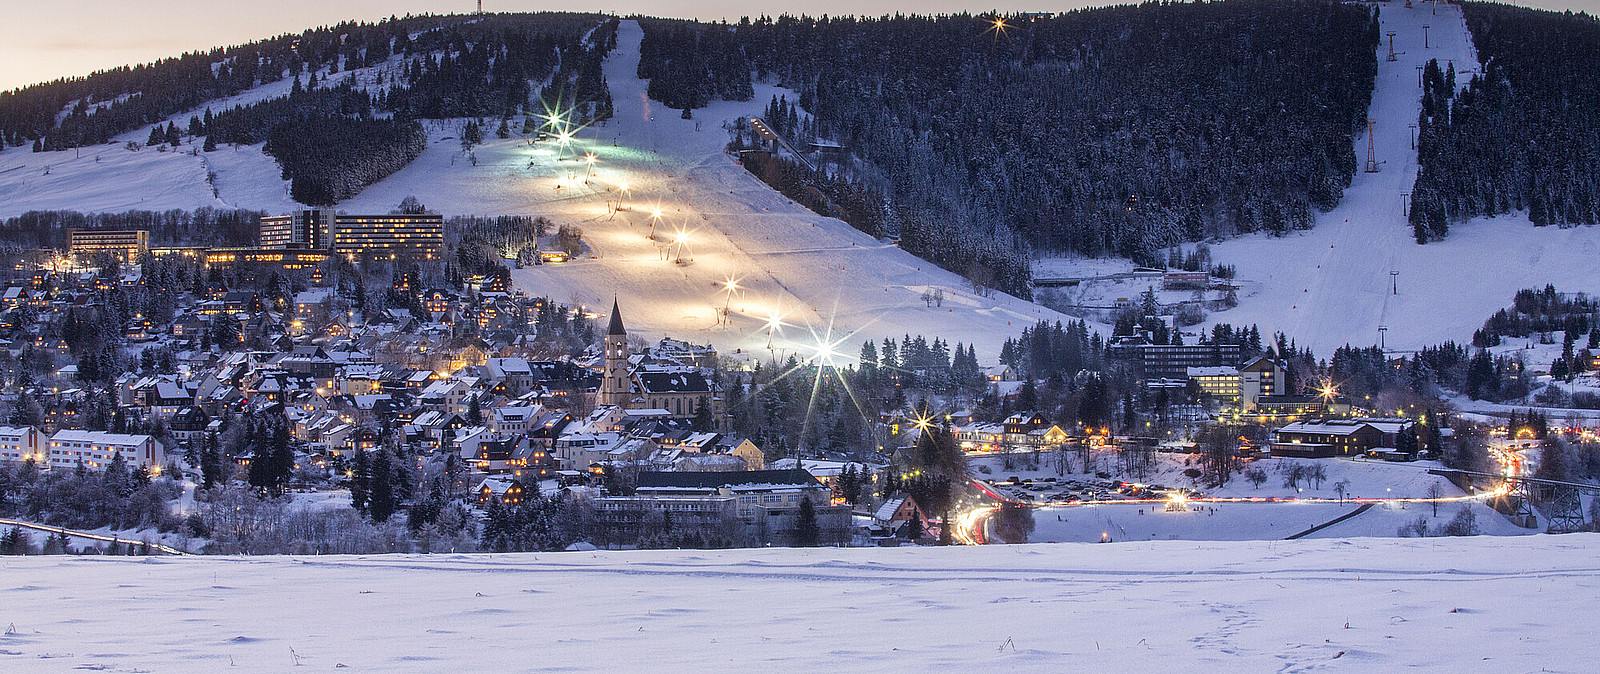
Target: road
164, 549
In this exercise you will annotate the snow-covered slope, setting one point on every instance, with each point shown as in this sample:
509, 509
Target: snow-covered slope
808, 269
114, 178
1362, 605
1331, 286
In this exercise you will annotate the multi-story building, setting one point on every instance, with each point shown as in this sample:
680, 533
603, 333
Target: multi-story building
278, 257
388, 237
1164, 361
1221, 382
128, 244
300, 229
749, 507
1261, 377
21, 444
397, 236
96, 449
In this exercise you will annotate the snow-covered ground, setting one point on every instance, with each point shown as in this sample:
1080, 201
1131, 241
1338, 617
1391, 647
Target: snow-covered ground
113, 178
1362, 605
1232, 521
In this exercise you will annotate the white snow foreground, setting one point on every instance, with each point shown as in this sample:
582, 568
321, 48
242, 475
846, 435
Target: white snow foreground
1473, 604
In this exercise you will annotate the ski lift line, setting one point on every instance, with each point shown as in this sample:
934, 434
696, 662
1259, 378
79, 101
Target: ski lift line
765, 130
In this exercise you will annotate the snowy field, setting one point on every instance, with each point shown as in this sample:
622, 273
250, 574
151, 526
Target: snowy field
1129, 523
1239, 521
112, 178
1364, 605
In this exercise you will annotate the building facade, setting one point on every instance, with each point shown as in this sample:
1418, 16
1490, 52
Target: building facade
127, 244
96, 449
20, 444
395, 236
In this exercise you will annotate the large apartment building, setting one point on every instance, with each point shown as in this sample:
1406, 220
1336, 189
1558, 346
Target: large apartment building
128, 244
96, 449
392, 236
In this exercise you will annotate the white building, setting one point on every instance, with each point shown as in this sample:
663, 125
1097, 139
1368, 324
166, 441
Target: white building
96, 449
21, 444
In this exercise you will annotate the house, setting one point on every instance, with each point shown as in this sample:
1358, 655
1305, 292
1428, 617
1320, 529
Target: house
514, 419
1326, 437
895, 516
1021, 432
498, 490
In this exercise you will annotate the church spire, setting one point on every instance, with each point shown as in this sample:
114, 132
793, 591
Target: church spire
616, 320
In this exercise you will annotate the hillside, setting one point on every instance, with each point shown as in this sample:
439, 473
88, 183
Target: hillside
1110, 131
1356, 605
1324, 287
1521, 135
1332, 285
808, 269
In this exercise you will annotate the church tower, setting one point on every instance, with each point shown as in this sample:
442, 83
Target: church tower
615, 386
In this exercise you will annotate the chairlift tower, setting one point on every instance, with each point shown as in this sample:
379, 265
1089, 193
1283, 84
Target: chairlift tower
1391, 47
1372, 148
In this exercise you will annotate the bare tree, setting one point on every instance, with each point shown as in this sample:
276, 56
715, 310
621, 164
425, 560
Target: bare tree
1219, 453
1293, 473
1316, 474
1435, 492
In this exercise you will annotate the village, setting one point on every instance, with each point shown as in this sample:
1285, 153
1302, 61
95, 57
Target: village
488, 399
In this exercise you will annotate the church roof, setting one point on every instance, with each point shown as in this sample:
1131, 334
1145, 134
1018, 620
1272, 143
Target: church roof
616, 320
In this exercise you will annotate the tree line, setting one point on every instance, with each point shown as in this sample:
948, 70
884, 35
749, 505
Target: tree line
1520, 136
1115, 131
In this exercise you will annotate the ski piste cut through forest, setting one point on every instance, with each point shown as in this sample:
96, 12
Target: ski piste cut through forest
1117, 131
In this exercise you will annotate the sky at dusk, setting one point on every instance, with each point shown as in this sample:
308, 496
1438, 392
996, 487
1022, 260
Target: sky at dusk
40, 41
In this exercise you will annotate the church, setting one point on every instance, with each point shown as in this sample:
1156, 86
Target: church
678, 389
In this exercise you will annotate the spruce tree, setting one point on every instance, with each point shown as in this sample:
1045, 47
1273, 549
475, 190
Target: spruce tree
360, 481
807, 533
381, 500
